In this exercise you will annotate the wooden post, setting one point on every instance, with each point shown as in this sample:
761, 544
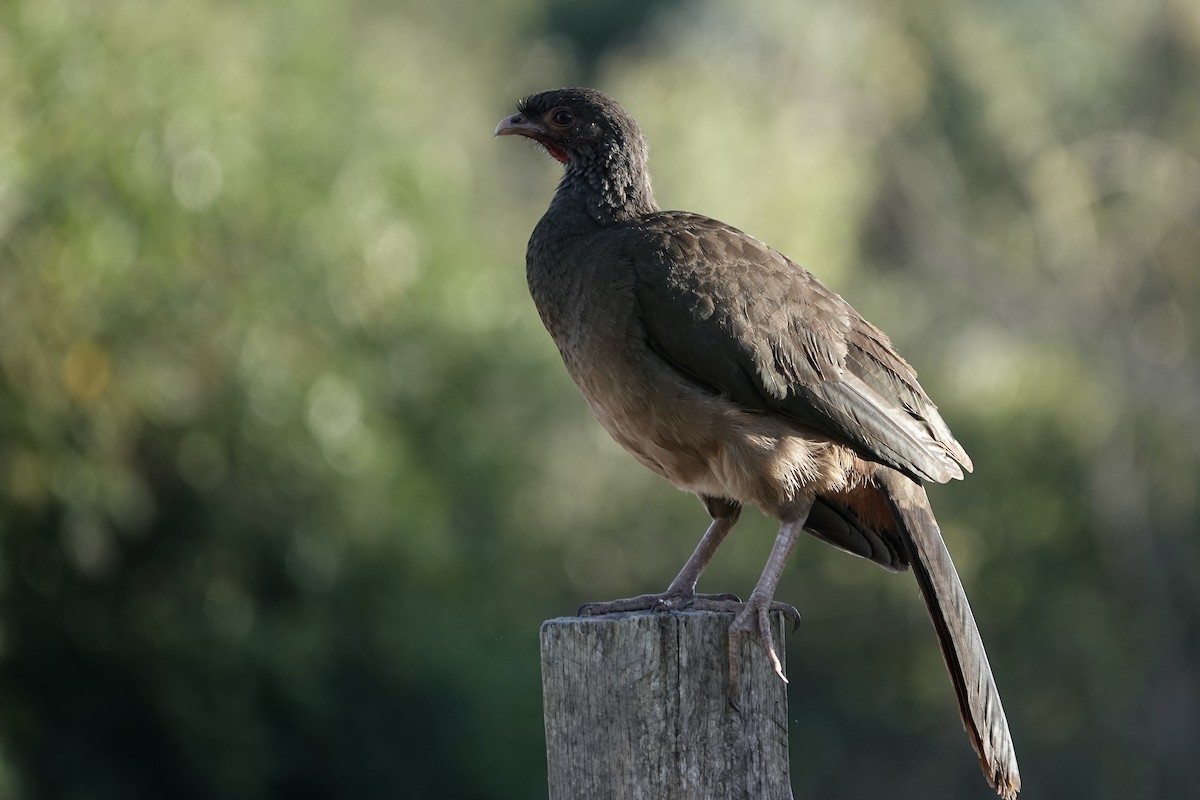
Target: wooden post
637, 706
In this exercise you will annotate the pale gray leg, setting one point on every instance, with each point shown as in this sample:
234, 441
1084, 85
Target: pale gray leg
682, 591
754, 617
685, 581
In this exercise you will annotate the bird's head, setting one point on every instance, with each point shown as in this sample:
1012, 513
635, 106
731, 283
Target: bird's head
600, 146
574, 125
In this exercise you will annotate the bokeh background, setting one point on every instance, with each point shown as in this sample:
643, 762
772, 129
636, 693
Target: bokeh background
290, 474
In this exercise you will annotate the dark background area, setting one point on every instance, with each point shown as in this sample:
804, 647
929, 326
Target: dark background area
290, 474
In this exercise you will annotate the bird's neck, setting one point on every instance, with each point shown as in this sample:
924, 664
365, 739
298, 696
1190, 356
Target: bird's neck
611, 188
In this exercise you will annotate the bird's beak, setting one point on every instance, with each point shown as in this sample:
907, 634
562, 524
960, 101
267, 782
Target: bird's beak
519, 125
522, 125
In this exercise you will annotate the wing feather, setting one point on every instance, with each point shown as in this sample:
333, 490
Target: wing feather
741, 319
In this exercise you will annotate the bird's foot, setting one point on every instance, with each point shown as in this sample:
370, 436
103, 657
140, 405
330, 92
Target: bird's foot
735, 606
754, 618
665, 602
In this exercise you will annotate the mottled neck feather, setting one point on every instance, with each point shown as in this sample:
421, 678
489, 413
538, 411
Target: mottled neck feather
610, 183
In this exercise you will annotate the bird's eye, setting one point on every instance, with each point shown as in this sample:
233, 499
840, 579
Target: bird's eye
563, 118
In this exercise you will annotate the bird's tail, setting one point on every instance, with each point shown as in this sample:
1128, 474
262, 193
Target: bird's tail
962, 648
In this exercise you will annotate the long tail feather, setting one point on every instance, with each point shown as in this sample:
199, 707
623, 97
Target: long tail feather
962, 648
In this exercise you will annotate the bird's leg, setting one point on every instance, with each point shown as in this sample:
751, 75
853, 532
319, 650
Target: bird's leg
682, 591
725, 514
755, 615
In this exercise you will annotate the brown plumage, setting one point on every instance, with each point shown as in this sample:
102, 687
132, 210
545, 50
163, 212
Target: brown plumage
736, 375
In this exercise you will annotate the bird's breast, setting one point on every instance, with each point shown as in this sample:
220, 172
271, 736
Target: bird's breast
700, 441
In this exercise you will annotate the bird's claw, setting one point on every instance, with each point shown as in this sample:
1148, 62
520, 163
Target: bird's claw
789, 612
755, 618
664, 603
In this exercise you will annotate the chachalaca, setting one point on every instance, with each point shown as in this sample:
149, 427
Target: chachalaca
738, 376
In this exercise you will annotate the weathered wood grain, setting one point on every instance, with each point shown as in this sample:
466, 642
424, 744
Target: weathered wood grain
637, 706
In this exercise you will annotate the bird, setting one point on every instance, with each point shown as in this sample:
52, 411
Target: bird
738, 376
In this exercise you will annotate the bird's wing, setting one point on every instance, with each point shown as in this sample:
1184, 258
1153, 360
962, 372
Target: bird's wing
742, 320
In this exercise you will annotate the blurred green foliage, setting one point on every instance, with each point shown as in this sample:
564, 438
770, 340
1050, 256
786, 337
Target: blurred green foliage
290, 475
